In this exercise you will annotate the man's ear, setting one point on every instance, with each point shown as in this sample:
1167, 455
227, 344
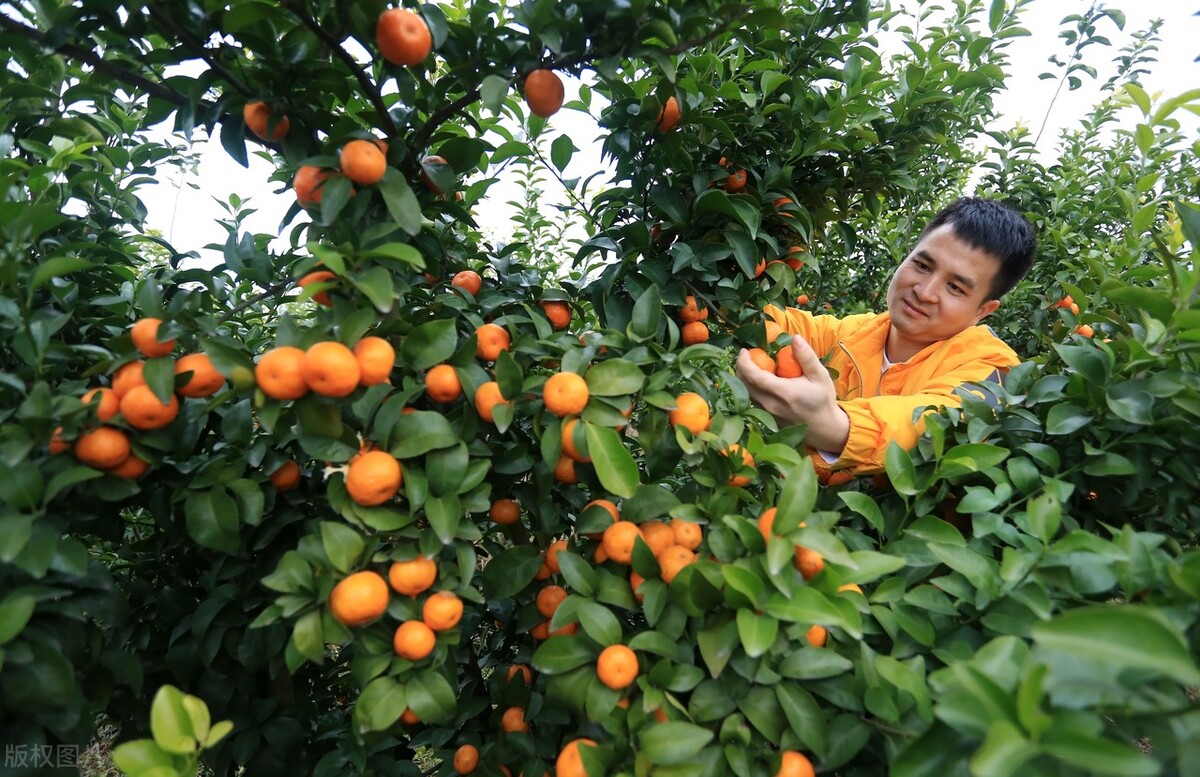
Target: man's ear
987, 308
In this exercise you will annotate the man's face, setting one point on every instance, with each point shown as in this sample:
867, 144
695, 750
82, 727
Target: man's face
941, 288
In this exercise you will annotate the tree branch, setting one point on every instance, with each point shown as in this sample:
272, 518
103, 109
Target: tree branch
267, 293
198, 48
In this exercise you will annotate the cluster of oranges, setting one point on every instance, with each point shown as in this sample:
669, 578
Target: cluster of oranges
131, 400
692, 317
328, 368
1066, 303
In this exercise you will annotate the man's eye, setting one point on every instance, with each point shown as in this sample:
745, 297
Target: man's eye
956, 289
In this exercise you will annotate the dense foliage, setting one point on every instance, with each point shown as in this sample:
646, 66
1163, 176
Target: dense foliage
1019, 595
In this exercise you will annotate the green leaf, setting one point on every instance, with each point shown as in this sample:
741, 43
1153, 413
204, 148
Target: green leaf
996, 15
511, 571
673, 742
429, 344
1045, 516
647, 314
376, 284
1004, 751
22, 485
717, 643
402, 204
197, 712
867, 565
614, 378
309, 636
561, 151
865, 506
900, 470
614, 464
1096, 755
342, 544
415, 434
492, 91
170, 723
431, 696
446, 468
980, 571
757, 632
67, 478
1087, 360
562, 654
797, 498
212, 519
578, 574
445, 514
1125, 637
1065, 418
220, 730
143, 756
804, 713
964, 459
56, 267
599, 623
15, 611
814, 664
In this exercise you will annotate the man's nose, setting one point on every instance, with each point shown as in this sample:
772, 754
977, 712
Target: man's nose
925, 290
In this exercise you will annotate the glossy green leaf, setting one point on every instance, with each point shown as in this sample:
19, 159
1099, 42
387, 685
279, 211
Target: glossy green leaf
673, 742
614, 465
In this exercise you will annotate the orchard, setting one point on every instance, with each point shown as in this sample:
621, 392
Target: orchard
378, 494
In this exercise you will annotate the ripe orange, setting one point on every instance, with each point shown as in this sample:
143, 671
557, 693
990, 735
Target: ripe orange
541, 631
762, 359
802, 300
318, 276
524, 672
691, 311
674, 559
657, 536
569, 762
691, 412
432, 160
794, 764
413, 576
442, 384
669, 115
617, 666
735, 181
287, 476
487, 397
687, 534
564, 470
257, 115
618, 541
1074, 309
375, 357
765, 522
568, 441
142, 409
552, 555
782, 203
635, 582
513, 720
549, 598
409, 718
373, 478
330, 369
102, 448
466, 758
403, 37
468, 280
490, 340
107, 405
363, 162
543, 92
809, 562
1084, 330
442, 611
204, 380
1065, 302
144, 334
130, 469
607, 505
57, 443
816, 636
565, 393
693, 333
786, 363
308, 184
360, 598
558, 312
747, 461
413, 640
280, 373
505, 511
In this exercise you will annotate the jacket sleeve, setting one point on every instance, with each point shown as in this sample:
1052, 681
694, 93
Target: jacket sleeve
821, 332
876, 422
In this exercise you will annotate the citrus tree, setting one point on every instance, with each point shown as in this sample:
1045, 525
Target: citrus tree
391, 498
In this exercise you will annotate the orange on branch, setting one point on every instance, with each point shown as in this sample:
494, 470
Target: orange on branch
432, 160
413, 640
549, 599
505, 512
672, 560
363, 162
466, 758
318, 276
565, 393
373, 477
442, 610
693, 333
490, 341
691, 412
376, 357
286, 477
809, 562
552, 555
816, 636
102, 448
568, 441
513, 720
204, 380
359, 599
544, 92
564, 470
668, 115
107, 403
131, 469
569, 762
657, 536
793, 764
691, 311
442, 384
258, 115
469, 281
144, 334
487, 398
520, 669
558, 312
762, 359
309, 184
747, 461
330, 369
403, 37
619, 539
142, 409
687, 534
280, 374
617, 667
765, 523
412, 577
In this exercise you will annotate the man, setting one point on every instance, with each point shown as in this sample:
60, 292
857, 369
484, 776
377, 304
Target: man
925, 346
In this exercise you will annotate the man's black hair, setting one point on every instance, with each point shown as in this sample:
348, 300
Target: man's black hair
997, 228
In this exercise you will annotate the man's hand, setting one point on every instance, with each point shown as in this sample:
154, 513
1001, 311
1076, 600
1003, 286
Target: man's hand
810, 399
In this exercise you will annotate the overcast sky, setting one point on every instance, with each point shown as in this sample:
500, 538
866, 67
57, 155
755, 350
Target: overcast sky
186, 215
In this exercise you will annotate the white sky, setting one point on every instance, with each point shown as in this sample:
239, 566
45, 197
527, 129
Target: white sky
187, 214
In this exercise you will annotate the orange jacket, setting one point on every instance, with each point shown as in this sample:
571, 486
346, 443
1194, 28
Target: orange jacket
881, 406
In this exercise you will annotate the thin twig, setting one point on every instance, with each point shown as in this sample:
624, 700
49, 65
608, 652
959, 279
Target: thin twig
199, 49
269, 292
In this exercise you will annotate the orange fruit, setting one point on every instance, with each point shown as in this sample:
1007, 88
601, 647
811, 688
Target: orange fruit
780, 204
672, 560
838, 478
568, 441
617, 667
565, 393
513, 720
505, 511
330, 369
102, 448
468, 280
762, 359
735, 181
466, 758
373, 478
543, 92
442, 611
541, 631
668, 115
693, 333
308, 184
409, 718
569, 762
618, 541
108, 405
552, 555
403, 37
765, 522
558, 312
564, 470
1065, 302
691, 412
487, 397
490, 340
793, 764
1084, 330
686, 533
142, 409
287, 476
376, 357
360, 598
279, 373
816, 636
442, 384
657, 536
257, 115
57, 443
144, 334
607, 505
691, 311
635, 582
363, 162
522, 670
549, 598
204, 380
809, 562
318, 276
413, 640
131, 469
786, 363
802, 300
1074, 309
412, 577
432, 160
794, 262
747, 461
